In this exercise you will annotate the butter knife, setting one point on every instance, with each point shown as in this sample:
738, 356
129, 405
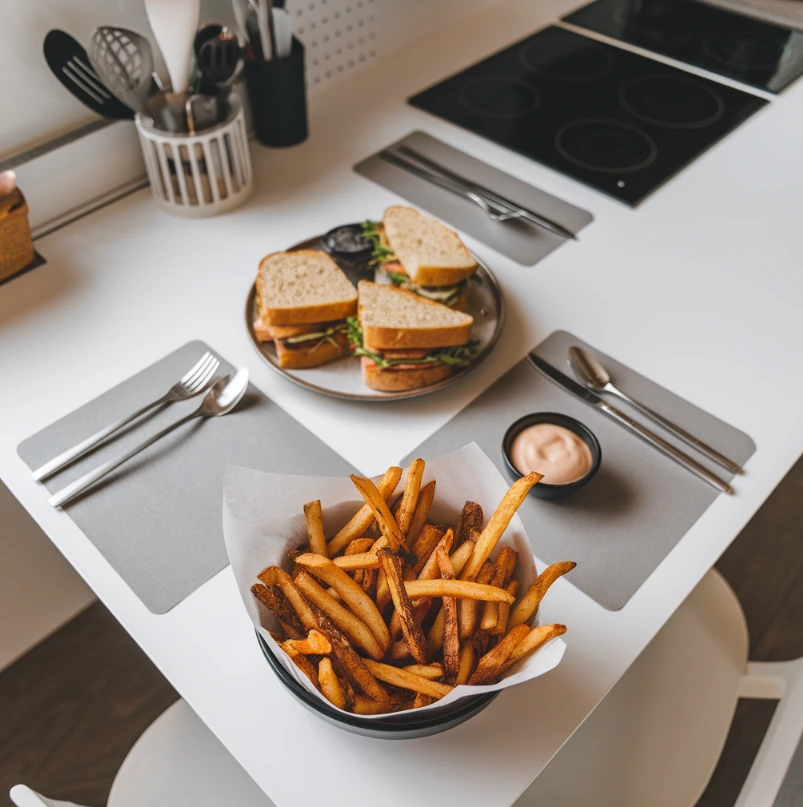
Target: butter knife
570, 385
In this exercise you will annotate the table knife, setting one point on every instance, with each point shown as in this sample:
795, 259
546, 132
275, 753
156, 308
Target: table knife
579, 391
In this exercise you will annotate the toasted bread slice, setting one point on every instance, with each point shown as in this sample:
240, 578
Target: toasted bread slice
303, 286
402, 378
431, 253
394, 318
311, 354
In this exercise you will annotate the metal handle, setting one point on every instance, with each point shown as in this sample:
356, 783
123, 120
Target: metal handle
72, 454
73, 489
711, 453
667, 448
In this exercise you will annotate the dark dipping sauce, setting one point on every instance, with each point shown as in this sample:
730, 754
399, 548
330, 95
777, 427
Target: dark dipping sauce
348, 243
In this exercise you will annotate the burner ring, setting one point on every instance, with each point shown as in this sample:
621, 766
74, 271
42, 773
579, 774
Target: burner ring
613, 130
707, 96
525, 98
566, 58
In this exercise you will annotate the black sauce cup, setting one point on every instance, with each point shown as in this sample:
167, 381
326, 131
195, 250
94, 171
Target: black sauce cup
543, 490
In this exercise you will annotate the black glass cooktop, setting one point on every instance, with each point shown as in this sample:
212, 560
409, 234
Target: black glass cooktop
613, 119
757, 53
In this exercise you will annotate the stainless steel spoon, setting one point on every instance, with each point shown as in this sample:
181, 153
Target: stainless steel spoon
591, 373
224, 395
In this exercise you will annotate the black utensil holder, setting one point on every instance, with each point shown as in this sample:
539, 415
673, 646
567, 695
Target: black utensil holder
278, 96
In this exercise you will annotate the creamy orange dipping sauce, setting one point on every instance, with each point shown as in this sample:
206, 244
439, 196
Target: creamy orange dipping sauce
557, 453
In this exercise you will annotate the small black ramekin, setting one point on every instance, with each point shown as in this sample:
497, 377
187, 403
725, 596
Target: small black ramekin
543, 490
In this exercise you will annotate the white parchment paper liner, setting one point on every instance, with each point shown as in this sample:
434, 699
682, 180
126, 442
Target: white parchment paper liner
263, 518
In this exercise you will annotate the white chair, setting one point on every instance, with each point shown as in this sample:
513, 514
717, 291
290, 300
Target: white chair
658, 735
655, 739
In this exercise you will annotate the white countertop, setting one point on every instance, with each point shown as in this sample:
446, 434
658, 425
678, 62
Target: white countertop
699, 289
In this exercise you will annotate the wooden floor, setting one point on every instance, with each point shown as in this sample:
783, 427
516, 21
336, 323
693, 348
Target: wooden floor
72, 707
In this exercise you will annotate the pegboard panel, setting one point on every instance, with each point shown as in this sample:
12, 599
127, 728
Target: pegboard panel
341, 36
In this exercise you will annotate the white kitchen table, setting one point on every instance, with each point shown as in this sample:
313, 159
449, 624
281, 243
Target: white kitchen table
699, 288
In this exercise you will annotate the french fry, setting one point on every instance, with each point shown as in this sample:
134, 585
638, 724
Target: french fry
504, 565
314, 518
359, 545
392, 567
352, 627
431, 671
387, 524
307, 667
468, 611
462, 589
422, 507
369, 582
382, 591
274, 576
346, 661
362, 560
330, 684
451, 641
353, 595
490, 665
409, 499
470, 519
315, 644
428, 570
400, 650
364, 517
504, 609
406, 680
536, 638
422, 700
529, 603
368, 706
275, 601
460, 556
468, 660
498, 523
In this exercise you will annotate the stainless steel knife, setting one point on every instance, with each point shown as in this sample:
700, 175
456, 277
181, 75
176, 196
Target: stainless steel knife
576, 389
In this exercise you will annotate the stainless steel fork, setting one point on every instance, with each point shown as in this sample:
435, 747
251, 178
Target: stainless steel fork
195, 381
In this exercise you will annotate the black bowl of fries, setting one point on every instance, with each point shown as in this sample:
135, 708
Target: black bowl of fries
392, 727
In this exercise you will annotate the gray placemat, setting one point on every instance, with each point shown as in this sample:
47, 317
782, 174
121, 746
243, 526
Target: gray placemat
621, 526
524, 243
157, 519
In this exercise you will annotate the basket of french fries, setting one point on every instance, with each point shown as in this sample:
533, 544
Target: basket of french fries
397, 606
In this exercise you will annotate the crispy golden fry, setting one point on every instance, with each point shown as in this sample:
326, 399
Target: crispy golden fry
345, 660
387, 524
368, 706
307, 667
428, 570
359, 545
351, 563
468, 660
369, 582
490, 665
391, 564
470, 520
462, 589
274, 576
504, 609
354, 629
451, 640
422, 507
353, 595
460, 556
535, 639
422, 700
495, 528
409, 499
364, 517
314, 517
400, 650
431, 671
315, 644
275, 601
529, 603
330, 684
468, 611
406, 680
382, 591
504, 565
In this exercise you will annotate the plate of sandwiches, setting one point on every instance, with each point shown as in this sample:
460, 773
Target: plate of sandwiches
376, 311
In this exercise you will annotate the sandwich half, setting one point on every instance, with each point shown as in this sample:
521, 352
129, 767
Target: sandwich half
422, 255
303, 301
405, 341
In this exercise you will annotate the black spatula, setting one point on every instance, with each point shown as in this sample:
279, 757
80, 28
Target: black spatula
70, 65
